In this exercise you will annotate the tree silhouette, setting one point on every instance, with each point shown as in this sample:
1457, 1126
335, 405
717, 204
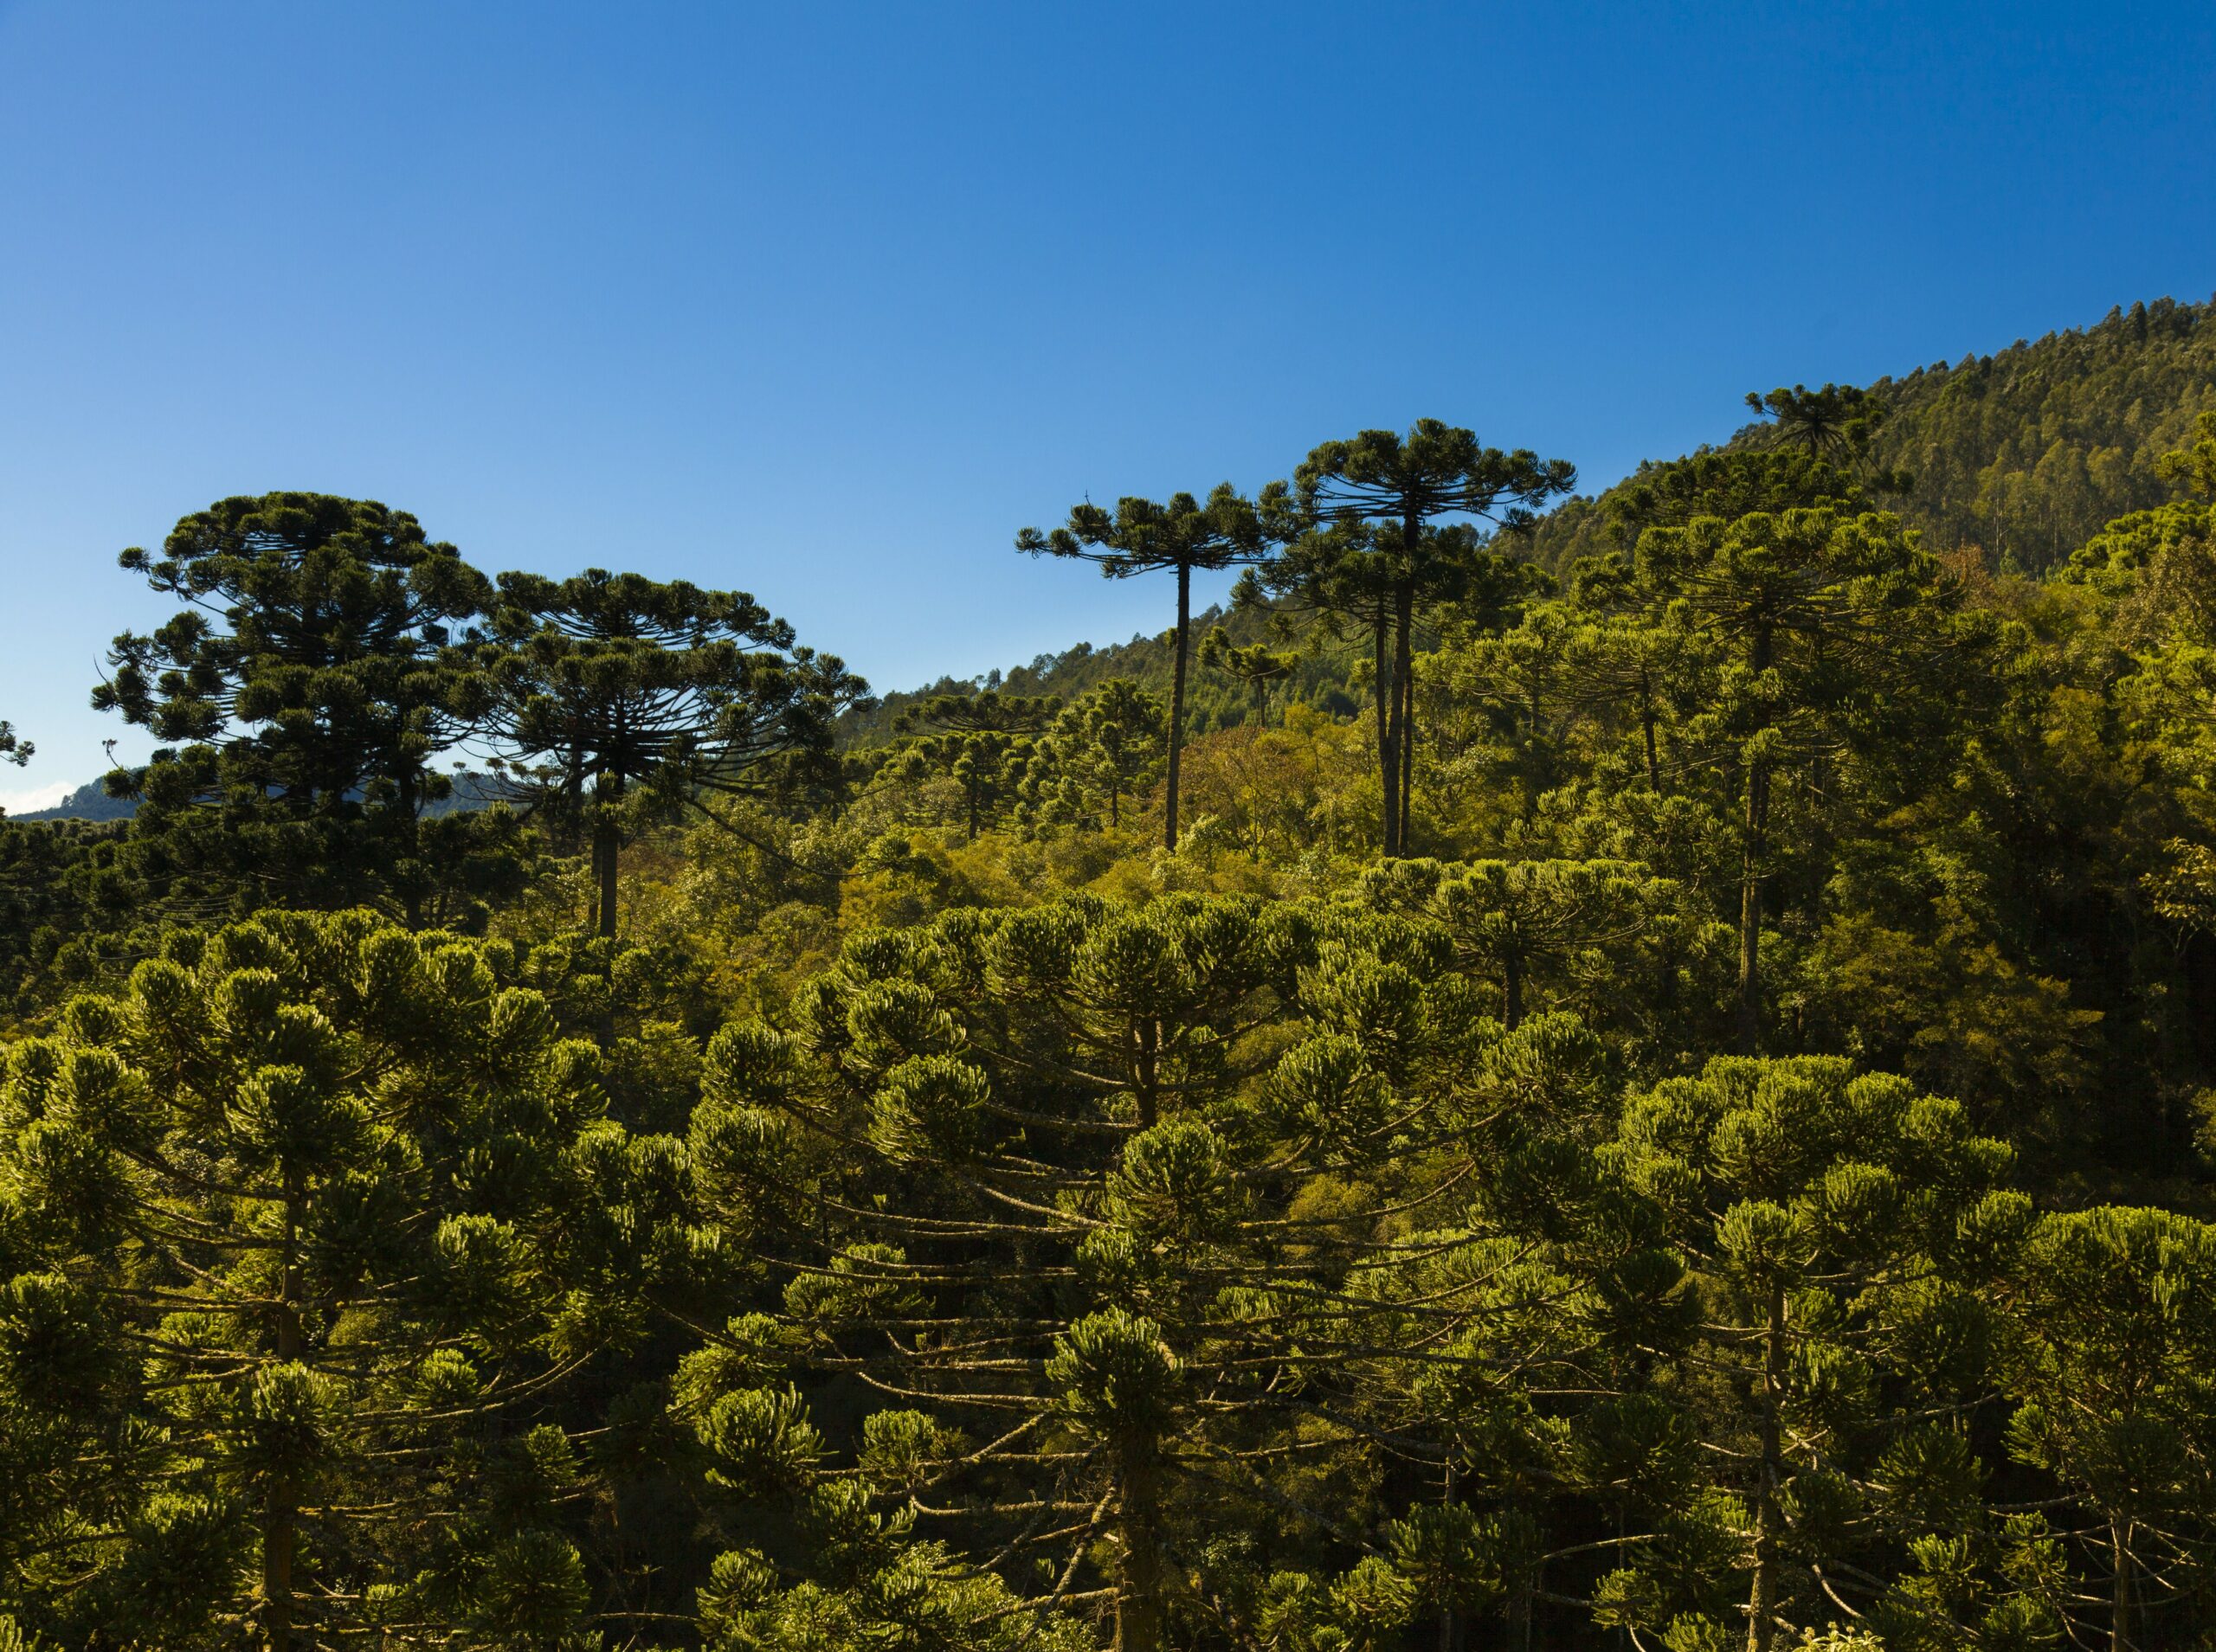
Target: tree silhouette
614, 681
301, 695
1399, 484
1141, 537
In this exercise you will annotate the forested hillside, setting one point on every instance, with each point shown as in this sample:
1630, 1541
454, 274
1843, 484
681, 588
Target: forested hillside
1663, 1103
1219, 696
2020, 456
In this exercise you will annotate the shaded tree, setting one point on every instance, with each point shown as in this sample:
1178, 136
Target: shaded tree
1830, 634
2118, 1315
303, 1261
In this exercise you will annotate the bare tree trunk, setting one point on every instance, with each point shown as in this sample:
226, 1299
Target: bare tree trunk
1647, 727
1756, 847
1446, 1608
1138, 1587
1177, 704
1403, 622
1388, 763
1750, 907
1762, 1604
1407, 748
412, 895
1148, 1065
604, 853
280, 1512
2120, 1589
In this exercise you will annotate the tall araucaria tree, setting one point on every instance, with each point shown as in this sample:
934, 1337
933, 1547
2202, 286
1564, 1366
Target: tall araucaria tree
1398, 485
607, 682
1141, 537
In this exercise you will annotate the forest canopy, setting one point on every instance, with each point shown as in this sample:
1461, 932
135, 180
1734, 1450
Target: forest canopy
1632, 1071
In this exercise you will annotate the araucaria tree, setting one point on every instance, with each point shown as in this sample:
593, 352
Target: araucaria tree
1099, 749
1388, 488
1829, 636
982, 742
1258, 665
300, 695
1141, 537
291, 1264
613, 696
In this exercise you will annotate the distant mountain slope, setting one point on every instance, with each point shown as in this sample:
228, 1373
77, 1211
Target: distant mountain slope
2024, 454
89, 802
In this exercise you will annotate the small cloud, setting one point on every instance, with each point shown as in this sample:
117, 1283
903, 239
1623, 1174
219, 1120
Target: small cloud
38, 797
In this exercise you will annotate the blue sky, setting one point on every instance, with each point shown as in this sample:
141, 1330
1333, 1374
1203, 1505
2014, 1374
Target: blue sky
826, 301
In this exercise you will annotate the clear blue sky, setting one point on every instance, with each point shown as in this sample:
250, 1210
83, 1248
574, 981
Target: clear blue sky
825, 301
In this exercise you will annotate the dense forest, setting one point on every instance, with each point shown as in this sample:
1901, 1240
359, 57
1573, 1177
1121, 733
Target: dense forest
1633, 1071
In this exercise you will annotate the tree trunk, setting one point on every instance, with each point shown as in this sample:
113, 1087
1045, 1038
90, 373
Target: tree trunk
1446, 1608
607, 856
1750, 907
1388, 762
1762, 1604
1750, 876
1512, 989
412, 895
1147, 1064
1647, 727
1177, 704
1138, 1587
1408, 747
280, 1512
1404, 600
2120, 1589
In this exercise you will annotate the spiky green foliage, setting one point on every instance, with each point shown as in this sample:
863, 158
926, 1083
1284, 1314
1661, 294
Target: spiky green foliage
301, 697
295, 1244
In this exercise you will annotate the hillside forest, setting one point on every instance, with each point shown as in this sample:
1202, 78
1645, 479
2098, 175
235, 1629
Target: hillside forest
1630, 1072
